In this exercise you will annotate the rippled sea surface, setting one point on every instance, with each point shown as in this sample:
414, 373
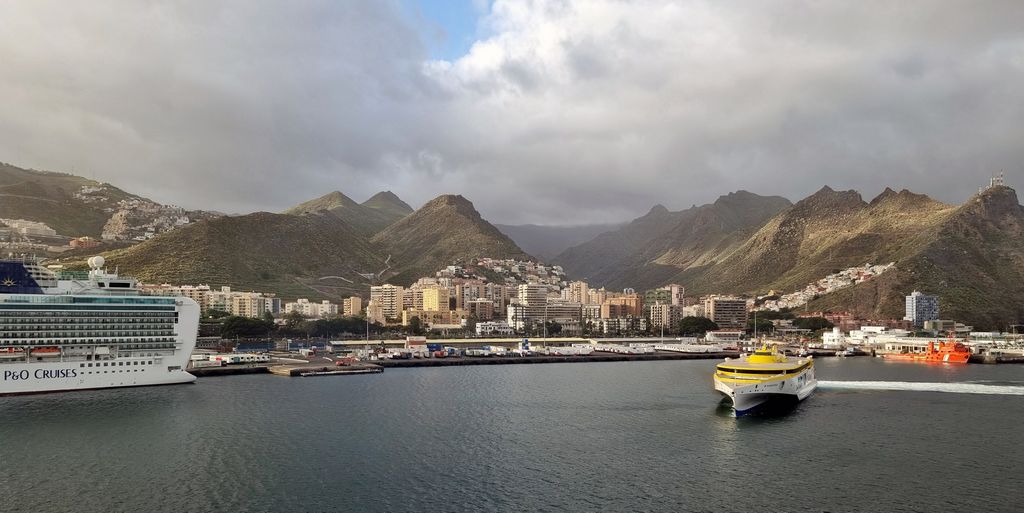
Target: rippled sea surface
622, 436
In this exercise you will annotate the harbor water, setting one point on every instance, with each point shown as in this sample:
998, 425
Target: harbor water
622, 436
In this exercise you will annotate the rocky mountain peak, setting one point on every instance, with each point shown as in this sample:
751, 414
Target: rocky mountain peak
389, 201
828, 200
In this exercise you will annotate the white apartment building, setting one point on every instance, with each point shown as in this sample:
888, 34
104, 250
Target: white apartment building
309, 309
494, 329
665, 315
532, 294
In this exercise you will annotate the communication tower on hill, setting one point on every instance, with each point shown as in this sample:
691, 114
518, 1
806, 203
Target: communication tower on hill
998, 180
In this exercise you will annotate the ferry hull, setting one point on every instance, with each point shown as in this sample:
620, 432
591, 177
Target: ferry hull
748, 398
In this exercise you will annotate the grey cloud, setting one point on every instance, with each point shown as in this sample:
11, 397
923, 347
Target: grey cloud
566, 113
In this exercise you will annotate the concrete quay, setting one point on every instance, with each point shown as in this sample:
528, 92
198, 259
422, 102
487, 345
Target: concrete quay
318, 369
992, 359
514, 360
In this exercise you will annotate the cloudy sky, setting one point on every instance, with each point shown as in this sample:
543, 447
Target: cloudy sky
541, 111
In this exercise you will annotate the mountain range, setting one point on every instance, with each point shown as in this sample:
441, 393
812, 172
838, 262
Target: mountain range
970, 255
324, 248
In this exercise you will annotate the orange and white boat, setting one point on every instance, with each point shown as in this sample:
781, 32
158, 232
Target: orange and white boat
11, 352
945, 352
46, 351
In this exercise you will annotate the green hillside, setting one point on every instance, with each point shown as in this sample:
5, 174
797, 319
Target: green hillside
50, 198
261, 251
446, 230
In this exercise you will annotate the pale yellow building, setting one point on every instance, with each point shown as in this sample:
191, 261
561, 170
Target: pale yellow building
352, 306
435, 299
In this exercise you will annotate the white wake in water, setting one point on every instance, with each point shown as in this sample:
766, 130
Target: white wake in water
953, 388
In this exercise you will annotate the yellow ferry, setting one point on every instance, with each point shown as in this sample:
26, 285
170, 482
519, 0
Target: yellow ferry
752, 380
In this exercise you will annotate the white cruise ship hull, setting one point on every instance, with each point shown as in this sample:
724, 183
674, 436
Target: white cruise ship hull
44, 377
749, 397
62, 335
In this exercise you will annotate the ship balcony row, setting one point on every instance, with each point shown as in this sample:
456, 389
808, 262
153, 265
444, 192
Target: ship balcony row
82, 314
83, 333
43, 341
81, 327
87, 320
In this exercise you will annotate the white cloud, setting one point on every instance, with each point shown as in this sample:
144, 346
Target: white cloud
565, 112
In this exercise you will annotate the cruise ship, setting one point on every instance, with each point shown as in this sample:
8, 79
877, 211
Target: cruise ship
751, 381
88, 330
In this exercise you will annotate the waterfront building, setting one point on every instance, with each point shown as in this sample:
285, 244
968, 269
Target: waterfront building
727, 313
597, 296
375, 312
307, 309
482, 309
578, 292
500, 294
622, 306
494, 329
532, 294
435, 299
943, 326
469, 291
253, 304
921, 307
352, 306
621, 325
412, 297
665, 315
390, 298
431, 318
568, 315
833, 339
659, 295
695, 310
723, 336
669, 294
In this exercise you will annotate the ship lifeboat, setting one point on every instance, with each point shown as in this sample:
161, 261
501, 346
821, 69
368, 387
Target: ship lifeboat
11, 352
46, 351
